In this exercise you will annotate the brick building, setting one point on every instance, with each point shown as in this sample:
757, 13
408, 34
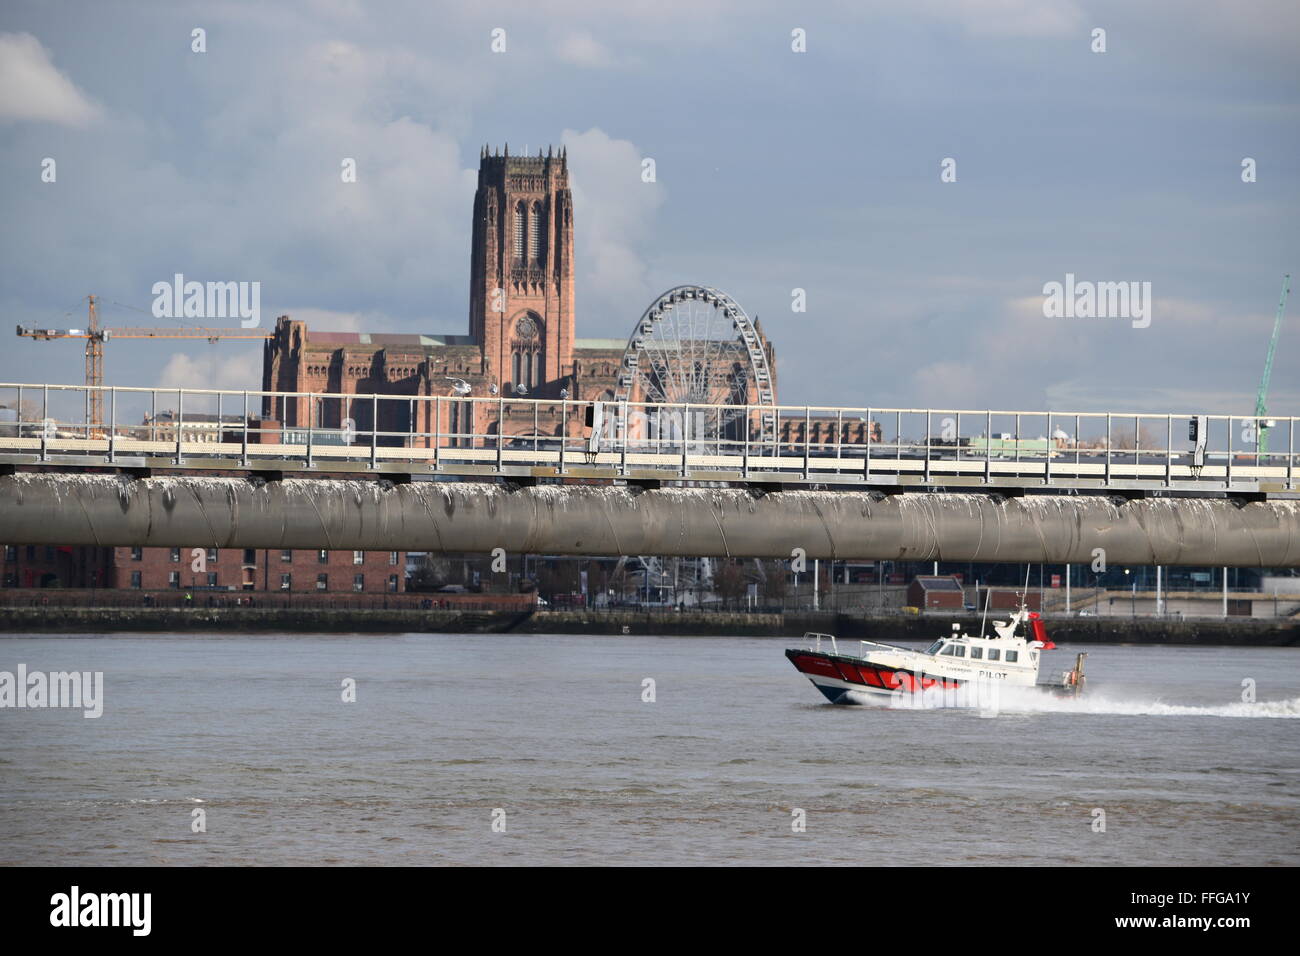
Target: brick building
522, 335
47, 566
207, 569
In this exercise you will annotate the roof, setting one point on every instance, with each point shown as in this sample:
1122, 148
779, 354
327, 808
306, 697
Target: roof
386, 339
614, 345
929, 583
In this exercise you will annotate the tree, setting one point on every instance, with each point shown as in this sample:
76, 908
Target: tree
775, 583
729, 582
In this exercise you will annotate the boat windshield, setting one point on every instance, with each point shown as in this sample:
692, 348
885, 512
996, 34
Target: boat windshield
934, 648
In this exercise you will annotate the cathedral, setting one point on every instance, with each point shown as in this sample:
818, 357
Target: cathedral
522, 338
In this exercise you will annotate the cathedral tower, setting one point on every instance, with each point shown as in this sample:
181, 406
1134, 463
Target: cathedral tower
521, 271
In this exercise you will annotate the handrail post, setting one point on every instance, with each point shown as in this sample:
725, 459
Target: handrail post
410, 430
1290, 458
374, 429
686, 438
929, 431
1047, 453
311, 414
1076, 447
501, 425
1227, 478
1169, 450
839, 449
564, 430
988, 447
744, 453
112, 424
866, 466
437, 432
957, 445
622, 468
180, 425
243, 449
1108, 440
807, 439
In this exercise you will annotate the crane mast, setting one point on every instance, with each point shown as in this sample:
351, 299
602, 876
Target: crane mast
1262, 424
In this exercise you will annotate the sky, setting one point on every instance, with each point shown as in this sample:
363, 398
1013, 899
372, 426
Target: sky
775, 171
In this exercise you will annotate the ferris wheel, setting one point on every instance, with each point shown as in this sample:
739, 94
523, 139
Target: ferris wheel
696, 345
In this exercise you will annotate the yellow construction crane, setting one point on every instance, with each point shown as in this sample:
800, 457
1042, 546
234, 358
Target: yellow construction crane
96, 337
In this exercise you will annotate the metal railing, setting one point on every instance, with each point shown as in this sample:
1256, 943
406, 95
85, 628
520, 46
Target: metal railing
555, 438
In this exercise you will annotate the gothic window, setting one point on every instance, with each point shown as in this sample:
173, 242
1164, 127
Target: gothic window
520, 226
525, 357
534, 235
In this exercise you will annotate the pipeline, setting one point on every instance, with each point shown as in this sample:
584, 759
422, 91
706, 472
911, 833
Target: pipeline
476, 517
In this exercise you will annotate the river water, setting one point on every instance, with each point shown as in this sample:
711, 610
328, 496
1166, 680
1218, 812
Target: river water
550, 737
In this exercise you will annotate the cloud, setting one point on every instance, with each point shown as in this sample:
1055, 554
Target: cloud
33, 88
614, 214
238, 371
580, 48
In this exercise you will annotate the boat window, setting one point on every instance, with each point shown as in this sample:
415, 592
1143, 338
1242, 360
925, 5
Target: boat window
1013, 656
948, 651
934, 648
994, 653
959, 650
976, 653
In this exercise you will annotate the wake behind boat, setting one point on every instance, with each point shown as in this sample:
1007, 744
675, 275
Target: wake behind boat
1009, 657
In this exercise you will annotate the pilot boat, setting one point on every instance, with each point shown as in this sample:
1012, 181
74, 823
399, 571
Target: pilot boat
1008, 657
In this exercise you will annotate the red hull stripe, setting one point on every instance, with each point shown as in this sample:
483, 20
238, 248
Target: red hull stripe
870, 676
823, 665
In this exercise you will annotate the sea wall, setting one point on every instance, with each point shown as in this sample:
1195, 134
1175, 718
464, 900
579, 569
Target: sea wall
894, 627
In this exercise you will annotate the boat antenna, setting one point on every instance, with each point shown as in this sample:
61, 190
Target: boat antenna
988, 593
